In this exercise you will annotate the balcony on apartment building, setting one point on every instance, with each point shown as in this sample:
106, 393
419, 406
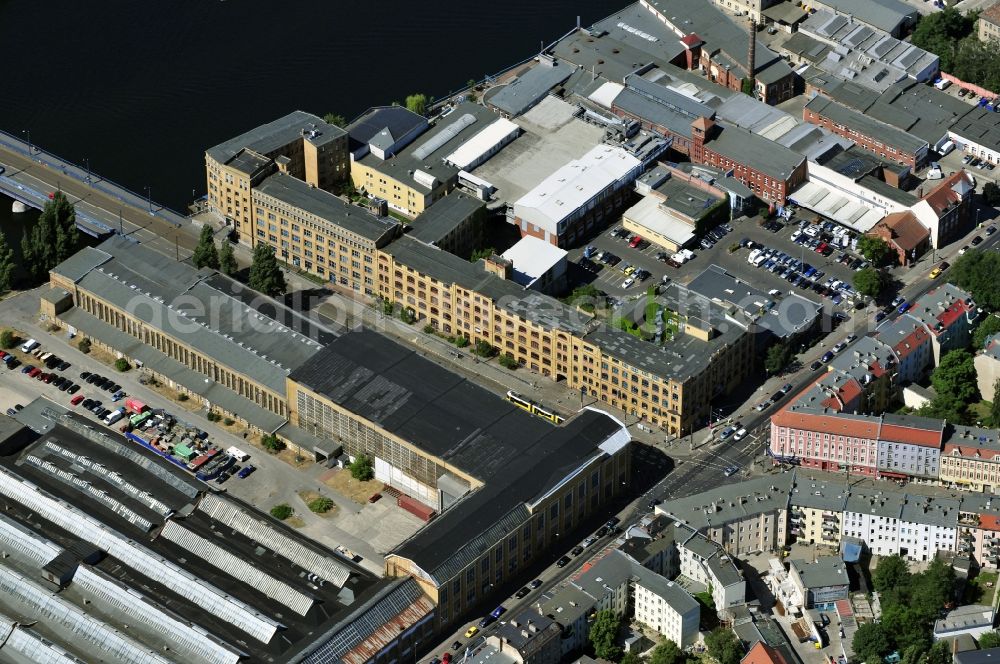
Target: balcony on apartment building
830, 518
968, 519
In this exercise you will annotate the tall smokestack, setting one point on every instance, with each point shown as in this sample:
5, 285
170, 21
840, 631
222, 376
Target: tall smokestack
752, 55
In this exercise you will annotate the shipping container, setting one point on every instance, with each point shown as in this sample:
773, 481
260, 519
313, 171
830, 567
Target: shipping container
135, 405
415, 507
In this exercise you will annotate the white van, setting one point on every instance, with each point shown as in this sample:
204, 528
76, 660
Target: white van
114, 416
29, 346
753, 255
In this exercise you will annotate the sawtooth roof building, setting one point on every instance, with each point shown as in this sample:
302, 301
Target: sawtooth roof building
113, 554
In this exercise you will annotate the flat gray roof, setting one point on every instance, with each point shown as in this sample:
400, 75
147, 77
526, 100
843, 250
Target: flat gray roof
524, 91
840, 114
327, 206
252, 334
731, 502
755, 151
823, 572
883, 14
276, 134
440, 219
980, 126
919, 109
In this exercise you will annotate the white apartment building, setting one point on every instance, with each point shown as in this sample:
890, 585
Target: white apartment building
666, 607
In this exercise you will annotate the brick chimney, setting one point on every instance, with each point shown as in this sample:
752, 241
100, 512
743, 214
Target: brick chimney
752, 55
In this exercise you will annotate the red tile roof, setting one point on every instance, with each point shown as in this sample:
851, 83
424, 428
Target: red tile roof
911, 342
989, 522
991, 14
692, 40
942, 196
906, 232
841, 426
761, 653
897, 433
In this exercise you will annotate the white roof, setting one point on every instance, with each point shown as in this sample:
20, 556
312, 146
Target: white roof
850, 212
648, 213
574, 185
532, 257
606, 94
485, 140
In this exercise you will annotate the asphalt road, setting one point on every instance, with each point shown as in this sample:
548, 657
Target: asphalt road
166, 231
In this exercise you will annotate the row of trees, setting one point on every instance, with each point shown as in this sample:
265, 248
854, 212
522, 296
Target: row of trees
265, 271
910, 605
416, 102
51, 239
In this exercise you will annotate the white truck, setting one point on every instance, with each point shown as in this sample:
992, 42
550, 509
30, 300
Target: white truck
114, 416
29, 346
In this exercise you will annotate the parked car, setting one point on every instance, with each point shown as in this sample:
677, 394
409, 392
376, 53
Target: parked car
576, 550
247, 471
731, 470
522, 593
535, 584
471, 632
976, 241
815, 365
562, 562
740, 433
903, 307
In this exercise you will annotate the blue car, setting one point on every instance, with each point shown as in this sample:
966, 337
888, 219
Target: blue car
879, 316
27, 368
827, 356
903, 307
246, 471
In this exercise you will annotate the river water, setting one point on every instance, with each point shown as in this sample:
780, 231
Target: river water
142, 88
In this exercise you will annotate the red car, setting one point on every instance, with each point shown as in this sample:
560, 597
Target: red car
636, 241
76, 400
34, 372
821, 248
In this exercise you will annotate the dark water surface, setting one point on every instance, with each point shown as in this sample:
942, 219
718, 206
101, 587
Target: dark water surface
142, 88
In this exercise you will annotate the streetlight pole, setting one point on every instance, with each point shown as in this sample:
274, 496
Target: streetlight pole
87, 161
149, 198
28, 133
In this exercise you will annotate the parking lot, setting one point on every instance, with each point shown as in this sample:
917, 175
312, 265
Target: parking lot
369, 529
611, 278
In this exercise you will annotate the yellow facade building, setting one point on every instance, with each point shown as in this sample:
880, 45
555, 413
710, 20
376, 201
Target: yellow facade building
319, 232
299, 144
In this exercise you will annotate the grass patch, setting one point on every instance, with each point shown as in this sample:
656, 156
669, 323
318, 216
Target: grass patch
318, 503
295, 522
342, 482
978, 591
980, 411
400, 217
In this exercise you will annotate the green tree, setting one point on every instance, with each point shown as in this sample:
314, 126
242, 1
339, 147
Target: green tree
912, 654
991, 194
723, 645
870, 282
272, 443
747, 87
940, 653
205, 254
779, 356
320, 505
995, 404
630, 658
335, 119
941, 32
989, 640
955, 376
227, 260
471, 85
875, 249
871, 643
52, 238
84, 345
417, 103
588, 297
484, 349
976, 272
944, 407
604, 635
508, 362
362, 468
892, 572
282, 511
6, 264
485, 252
121, 364
667, 652
265, 273
987, 328
8, 339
